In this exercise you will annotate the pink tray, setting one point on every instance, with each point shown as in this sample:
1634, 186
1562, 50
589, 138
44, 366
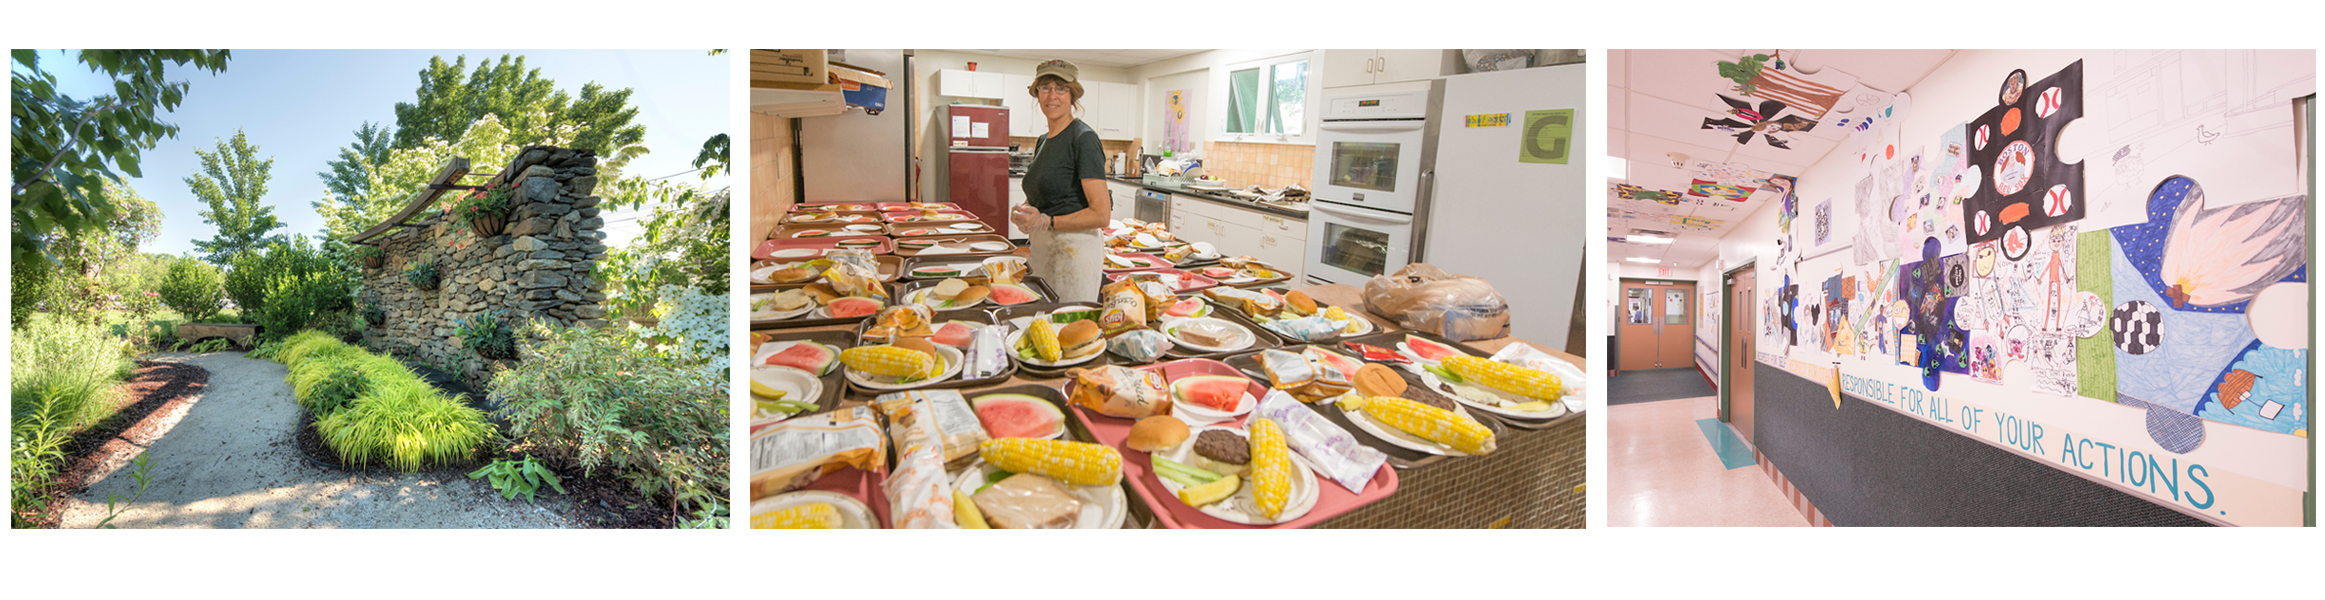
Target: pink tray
900, 229
1332, 499
867, 488
767, 248
1157, 260
899, 216
1188, 280
888, 206
834, 207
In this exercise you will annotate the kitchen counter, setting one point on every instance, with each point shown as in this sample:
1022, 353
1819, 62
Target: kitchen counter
1213, 197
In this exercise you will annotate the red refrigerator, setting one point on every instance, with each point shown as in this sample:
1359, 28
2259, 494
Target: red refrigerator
976, 168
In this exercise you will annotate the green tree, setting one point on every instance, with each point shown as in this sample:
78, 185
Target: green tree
389, 185
81, 280
233, 182
529, 105
349, 176
194, 289
63, 149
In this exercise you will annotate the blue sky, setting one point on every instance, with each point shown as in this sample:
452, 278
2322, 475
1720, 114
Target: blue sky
300, 106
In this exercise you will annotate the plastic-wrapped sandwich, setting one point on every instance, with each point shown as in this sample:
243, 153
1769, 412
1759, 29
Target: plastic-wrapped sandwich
791, 454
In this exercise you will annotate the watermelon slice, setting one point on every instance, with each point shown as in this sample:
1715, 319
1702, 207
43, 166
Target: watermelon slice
1218, 272
852, 307
1006, 294
1185, 308
1018, 416
1346, 365
955, 334
1218, 392
811, 357
1428, 350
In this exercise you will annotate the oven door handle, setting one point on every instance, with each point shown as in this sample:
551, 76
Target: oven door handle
1374, 126
1329, 209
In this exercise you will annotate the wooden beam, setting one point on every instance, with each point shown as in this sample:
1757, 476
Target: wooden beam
453, 171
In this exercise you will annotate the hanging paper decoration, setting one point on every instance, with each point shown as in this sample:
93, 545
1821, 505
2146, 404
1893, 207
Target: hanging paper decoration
1766, 77
1748, 121
2015, 146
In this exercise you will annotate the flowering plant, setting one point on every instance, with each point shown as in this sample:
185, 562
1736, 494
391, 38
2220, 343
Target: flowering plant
490, 201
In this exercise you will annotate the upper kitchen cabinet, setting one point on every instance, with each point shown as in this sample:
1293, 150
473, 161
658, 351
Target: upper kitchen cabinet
1366, 67
973, 84
1025, 118
1112, 109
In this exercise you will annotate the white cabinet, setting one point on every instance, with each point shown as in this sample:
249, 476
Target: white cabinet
1275, 240
1114, 107
1016, 198
1123, 198
972, 84
1366, 67
1024, 111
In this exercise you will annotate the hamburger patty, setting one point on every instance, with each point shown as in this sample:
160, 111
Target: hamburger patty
1219, 445
1428, 396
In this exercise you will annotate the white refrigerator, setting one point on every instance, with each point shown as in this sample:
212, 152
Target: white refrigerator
1520, 225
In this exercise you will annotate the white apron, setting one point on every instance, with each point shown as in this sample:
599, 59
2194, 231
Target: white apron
1071, 261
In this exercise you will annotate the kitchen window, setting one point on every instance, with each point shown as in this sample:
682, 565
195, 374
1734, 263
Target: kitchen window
1269, 100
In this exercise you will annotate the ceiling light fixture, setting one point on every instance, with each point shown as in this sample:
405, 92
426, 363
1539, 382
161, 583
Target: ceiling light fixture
1642, 260
1647, 239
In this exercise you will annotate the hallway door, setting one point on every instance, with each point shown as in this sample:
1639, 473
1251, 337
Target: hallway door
1658, 325
1736, 359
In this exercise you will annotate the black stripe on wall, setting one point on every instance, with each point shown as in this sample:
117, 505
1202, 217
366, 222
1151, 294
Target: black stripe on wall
1865, 465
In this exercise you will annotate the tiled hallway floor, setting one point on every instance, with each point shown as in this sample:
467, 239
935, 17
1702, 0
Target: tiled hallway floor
1663, 472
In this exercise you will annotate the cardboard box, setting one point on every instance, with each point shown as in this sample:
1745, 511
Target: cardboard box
789, 68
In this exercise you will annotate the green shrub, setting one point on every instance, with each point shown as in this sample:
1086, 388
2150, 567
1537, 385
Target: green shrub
194, 289
588, 397
62, 378
487, 335
406, 428
285, 287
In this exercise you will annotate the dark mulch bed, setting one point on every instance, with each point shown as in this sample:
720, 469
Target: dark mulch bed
598, 502
153, 392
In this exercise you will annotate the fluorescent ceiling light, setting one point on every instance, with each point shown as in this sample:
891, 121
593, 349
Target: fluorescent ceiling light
1647, 239
1621, 168
1642, 260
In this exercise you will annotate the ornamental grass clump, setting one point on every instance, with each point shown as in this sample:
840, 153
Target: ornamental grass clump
371, 409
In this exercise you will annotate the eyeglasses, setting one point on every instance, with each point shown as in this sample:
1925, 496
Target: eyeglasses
1054, 89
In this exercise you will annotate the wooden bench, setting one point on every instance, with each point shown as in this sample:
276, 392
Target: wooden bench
240, 335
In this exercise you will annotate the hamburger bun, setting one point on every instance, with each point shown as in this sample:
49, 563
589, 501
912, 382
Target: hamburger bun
1300, 303
1077, 337
1157, 433
1375, 379
973, 294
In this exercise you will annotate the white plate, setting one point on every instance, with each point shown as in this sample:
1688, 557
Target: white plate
1399, 437
921, 297
952, 366
991, 246
776, 315
1557, 409
1198, 415
770, 349
862, 227
853, 513
796, 253
1363, 326
811, 218
1103, 506
797, 385
1243, 339
1019, 336
1233, 509
1055, 435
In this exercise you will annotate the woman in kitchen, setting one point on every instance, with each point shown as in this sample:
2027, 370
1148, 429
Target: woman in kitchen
1065, 190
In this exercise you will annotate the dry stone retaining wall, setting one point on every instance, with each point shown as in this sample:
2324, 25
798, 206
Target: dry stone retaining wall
539, 268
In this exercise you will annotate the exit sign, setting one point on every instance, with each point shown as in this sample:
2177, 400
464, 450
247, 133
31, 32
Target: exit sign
1662, 272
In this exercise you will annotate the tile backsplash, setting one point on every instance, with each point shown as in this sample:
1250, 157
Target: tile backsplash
1264, 165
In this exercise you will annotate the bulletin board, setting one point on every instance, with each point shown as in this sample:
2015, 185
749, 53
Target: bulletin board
2125, 299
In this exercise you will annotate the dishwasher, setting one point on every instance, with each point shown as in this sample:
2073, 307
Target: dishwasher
1153, 206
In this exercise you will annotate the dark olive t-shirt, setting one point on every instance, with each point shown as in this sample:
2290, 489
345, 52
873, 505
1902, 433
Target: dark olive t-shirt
1053, 182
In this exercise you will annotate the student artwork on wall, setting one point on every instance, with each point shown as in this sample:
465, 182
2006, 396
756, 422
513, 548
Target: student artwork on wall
1824, 222
2015, 147
1175, 129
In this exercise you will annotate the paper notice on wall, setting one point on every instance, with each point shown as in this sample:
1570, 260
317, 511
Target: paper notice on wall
980, 130
2222, 117
1547, 136
960, 126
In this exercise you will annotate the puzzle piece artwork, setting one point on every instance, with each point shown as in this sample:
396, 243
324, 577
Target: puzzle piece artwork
2024, 185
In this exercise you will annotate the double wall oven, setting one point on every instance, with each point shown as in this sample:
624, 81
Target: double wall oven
1375, 159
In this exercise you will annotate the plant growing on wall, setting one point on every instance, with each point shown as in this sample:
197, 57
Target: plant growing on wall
373, 256
486, 211
487, 335
423, 274
374, 315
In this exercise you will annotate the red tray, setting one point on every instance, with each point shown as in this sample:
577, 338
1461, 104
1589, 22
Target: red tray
1332, 499
868, 488
835, 207
901, 229
1188, 280
1157, 262
899, 216
767, 248
862, 217
888, 206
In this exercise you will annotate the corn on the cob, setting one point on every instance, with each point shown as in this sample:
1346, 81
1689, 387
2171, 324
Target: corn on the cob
1271, 467
1044, 336
1071, 462
819, 515
1505, 377
890, 361
1429, 422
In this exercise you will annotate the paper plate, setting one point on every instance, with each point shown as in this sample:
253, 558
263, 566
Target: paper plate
797, 385
991, 246
1199, 415
1243, 339
1399, 437
862, 227
1557, 408
812, 218
1243, 507
1103, 506
952, 366
1018, 336
921, 297
773, 315
853, 513
796, 253
770, 349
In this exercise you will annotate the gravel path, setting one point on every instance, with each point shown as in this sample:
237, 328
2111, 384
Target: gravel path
230, 461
